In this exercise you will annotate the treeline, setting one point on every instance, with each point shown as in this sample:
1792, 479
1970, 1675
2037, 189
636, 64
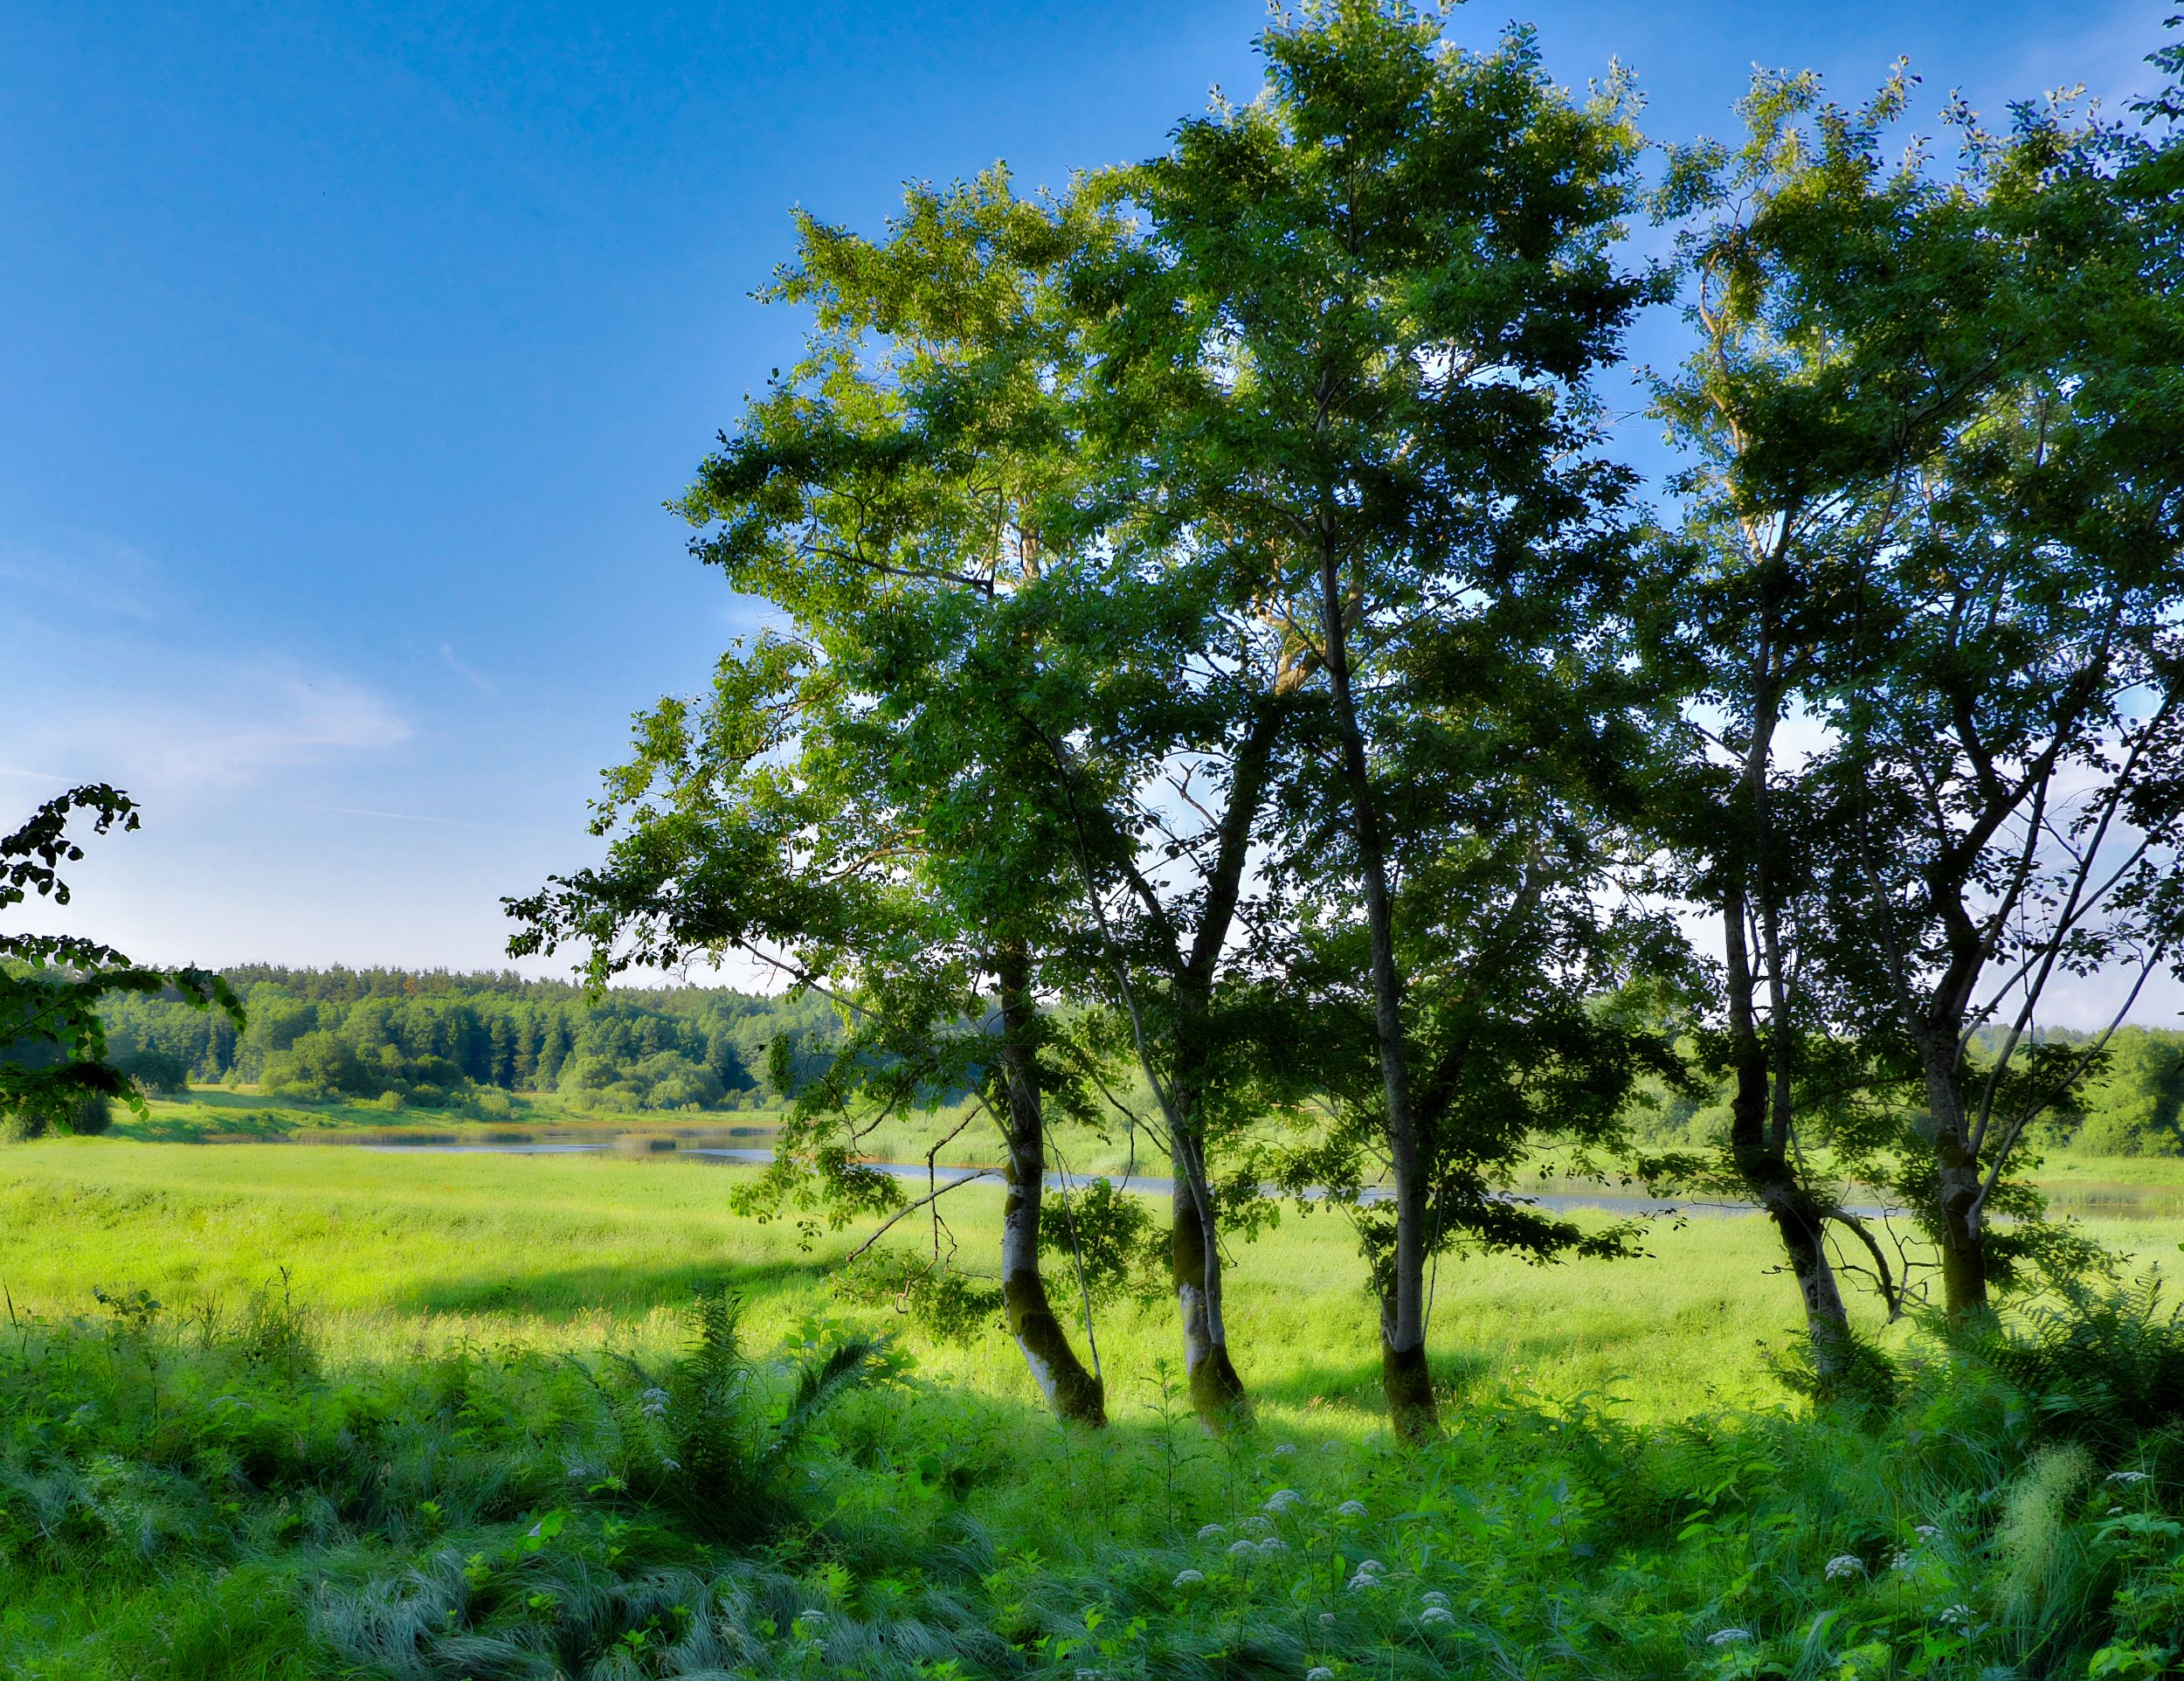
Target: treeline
2130, 1104
426, 1038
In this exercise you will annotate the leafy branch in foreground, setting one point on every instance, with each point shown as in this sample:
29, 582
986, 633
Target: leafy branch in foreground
54, 1066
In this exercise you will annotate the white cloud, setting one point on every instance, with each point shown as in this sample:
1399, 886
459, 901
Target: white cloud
200, 724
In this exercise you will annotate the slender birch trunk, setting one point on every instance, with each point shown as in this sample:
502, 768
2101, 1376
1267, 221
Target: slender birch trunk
1194, 1260
1072, 1392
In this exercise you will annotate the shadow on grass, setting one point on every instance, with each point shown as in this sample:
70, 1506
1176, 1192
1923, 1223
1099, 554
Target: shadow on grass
567, 1292
1354, 1385
255, 1125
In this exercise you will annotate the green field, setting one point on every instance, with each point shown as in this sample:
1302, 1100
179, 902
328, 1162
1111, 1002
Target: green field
393, 1249
1620, 1461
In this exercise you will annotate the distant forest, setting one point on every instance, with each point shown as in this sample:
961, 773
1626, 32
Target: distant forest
427, 1038
430, 1037
2132, 1105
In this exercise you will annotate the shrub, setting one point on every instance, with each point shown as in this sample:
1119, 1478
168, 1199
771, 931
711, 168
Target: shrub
157, 1071
723, 1473
86, 1116
319, 1061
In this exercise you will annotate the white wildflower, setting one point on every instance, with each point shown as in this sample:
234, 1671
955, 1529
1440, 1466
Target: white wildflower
1437, 1613
1845, 1564
652, 1403
1257, 1525
2126, 1476
1242, 1549
1352, 1509
1211, 1531
1902, 1559
1436, 1598
1326, 1619
1956, 1616
1319, 1672
1728, 1637
665, 1463
2113, 1511
1369, 1566
1282, 1499
1185, 1578
1359, 1582
1273, 1544
1286, 1446
1928, 1532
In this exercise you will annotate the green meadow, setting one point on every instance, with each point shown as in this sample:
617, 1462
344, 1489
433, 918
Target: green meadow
395, 1249
338, 1412
390, 1250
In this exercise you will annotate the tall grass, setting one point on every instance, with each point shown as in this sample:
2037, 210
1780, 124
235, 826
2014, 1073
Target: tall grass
399, 1252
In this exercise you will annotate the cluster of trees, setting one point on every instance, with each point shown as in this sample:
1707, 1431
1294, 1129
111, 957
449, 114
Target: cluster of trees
427, 1038
2133, 1105
1205, 596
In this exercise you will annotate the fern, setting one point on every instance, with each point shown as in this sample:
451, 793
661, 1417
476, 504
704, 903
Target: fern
725, 1470
819, 1383
2098, 1362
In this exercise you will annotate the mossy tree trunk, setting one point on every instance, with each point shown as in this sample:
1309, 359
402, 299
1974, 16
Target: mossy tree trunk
1959, 1182
1217, 1389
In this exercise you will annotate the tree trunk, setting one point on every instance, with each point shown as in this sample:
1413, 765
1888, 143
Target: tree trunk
1957, 1181
1403, 1371
1194, 1262
1799, 1218
1760, 1113
1406, 1383
1195, 1254
1761, 1151
1074, 1393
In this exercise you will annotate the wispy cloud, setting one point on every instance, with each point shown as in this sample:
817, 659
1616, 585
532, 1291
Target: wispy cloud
204, 723
99, 576
2108, 55
270, 721
476, 678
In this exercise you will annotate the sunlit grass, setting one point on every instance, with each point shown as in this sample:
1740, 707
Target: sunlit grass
395, 1251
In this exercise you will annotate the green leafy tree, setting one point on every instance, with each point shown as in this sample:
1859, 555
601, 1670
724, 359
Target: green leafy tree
855, 804
1787, 501
1933, 407
1366, 312
2008, 759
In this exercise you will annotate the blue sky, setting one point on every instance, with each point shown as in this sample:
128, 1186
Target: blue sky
348, 352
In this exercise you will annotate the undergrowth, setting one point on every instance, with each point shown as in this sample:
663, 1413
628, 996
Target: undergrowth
204, 1495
